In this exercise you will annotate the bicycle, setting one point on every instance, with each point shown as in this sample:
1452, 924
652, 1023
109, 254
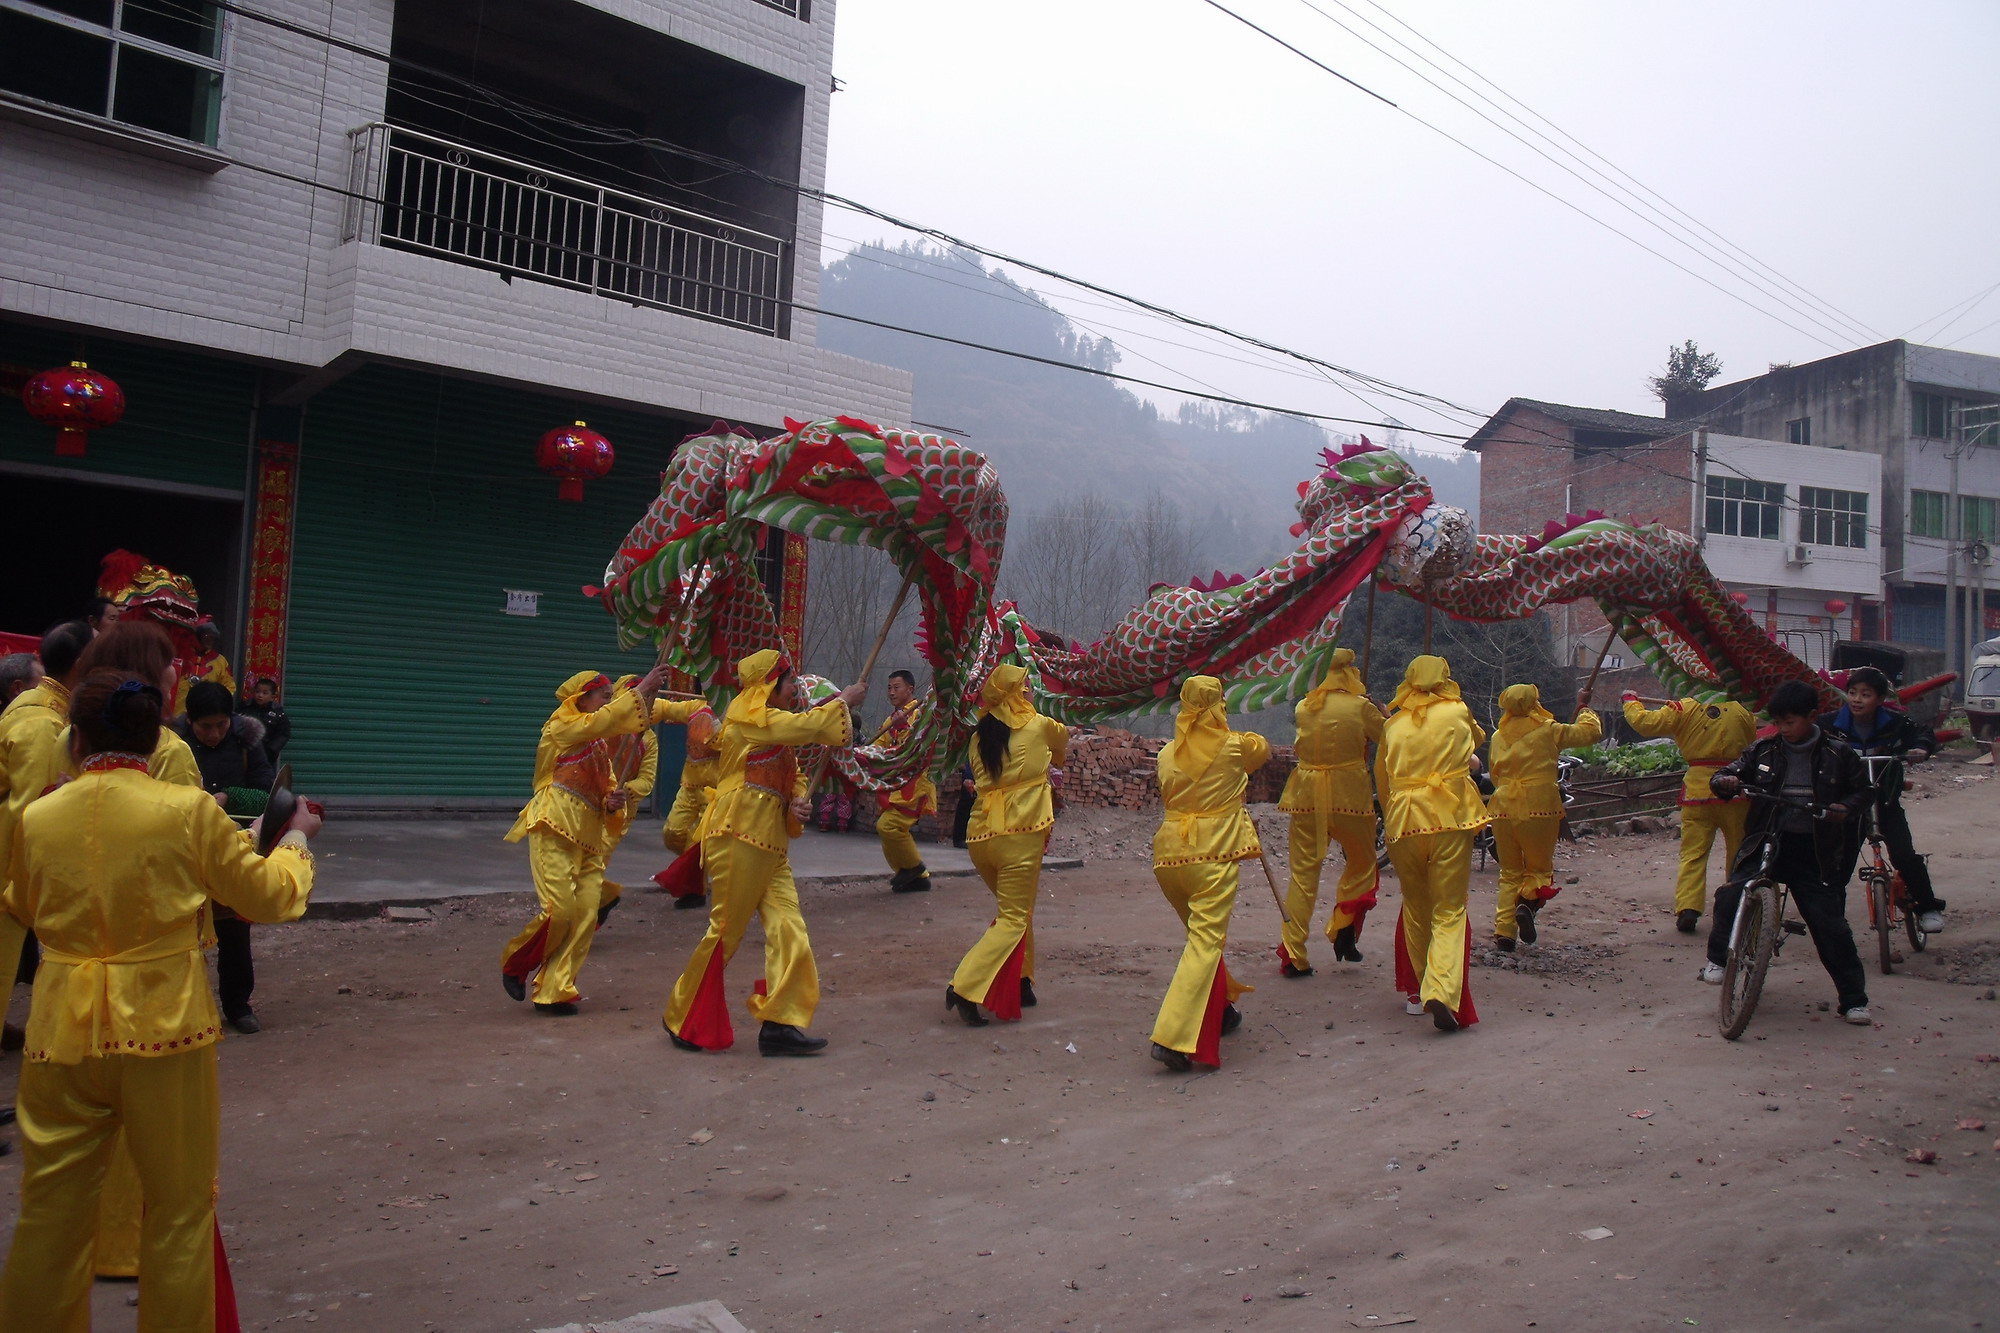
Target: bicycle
1888, 897
1758, 932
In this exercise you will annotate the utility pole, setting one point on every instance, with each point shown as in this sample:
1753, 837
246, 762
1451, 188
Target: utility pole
1954, 658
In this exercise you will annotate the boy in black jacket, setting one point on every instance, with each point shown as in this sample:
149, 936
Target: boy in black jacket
229, 750
1867, 724
1806, 767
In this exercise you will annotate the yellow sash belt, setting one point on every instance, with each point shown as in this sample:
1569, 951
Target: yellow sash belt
89, 991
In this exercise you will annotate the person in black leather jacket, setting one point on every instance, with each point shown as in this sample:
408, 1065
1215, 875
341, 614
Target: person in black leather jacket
1871, 727
229, 750
1803, 766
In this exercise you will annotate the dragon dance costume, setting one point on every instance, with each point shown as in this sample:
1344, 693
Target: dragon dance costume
634, 761
745, 838
899, 810
1013, 812
1204, 836
116, 873
567, 843
1430, 813
1709, 736
1526, 806
1331, 800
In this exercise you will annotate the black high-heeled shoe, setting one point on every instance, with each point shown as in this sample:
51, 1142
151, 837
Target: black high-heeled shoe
1343, 945
1027, 993
967, 1010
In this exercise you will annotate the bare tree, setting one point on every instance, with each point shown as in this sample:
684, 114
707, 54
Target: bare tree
1159, 543
1069, 567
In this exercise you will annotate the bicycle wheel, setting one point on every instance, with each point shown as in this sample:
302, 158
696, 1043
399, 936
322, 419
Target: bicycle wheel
1882, 915
1918, 939
1757, 928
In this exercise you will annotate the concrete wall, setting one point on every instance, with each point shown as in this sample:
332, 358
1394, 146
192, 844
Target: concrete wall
1753, 562
244, 262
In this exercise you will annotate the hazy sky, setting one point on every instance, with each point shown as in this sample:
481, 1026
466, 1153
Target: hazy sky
1162, 148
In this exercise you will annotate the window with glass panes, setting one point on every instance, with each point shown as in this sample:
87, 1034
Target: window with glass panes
1927, 510
1833, 518
1738, 507
1929, 415
156, 64
1978, 518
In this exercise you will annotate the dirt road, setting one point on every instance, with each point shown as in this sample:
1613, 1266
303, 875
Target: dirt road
405, 1149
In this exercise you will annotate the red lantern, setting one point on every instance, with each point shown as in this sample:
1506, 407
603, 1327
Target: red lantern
77, 400
575, 454
1740, 598
1835, 606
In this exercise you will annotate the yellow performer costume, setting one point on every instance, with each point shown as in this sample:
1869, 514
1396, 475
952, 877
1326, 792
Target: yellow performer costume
1331, 800
1430, 812
635, 770
1006, 837
1709, 736
567, 844
1204, 835
898, 811
744, 842
698, 778
115, 873
1526, 806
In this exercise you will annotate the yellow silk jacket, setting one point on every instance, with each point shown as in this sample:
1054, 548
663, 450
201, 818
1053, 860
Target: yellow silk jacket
1524, 769
1332, 773
33, 732
172, 761
1205, 819
1709, 735
758, 773
573, 771
1424, 772
1018, 798
919, 795
115, 873
635, 761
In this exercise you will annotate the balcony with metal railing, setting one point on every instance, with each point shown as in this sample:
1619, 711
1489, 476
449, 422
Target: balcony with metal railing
415, 191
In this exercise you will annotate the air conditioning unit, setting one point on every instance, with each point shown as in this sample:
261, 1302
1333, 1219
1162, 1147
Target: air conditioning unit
1800, 555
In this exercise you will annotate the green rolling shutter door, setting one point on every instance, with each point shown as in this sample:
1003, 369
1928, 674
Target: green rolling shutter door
419, 507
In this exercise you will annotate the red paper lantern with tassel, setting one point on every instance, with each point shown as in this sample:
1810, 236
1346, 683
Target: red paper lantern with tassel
574, 454
1835, 606
75, 399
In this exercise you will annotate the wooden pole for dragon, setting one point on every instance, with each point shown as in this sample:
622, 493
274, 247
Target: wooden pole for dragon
1610, 636
882, 637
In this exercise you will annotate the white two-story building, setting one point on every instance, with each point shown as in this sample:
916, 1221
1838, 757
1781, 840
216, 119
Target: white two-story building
348, 264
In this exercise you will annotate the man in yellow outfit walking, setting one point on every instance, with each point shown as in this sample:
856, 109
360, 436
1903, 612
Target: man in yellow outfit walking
1203, 838
1527, 804
1430, 813
899, 810
1709, 736
760, 805
635, 771
1331, 800
564, 823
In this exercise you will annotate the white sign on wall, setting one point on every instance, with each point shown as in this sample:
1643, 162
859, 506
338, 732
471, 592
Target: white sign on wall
523, 603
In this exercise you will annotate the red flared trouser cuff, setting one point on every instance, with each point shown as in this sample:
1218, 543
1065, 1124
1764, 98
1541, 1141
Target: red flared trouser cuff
524, 960
1208, 1046
225, 1290
707, 1023
1359, 908
1003, 997
683, 879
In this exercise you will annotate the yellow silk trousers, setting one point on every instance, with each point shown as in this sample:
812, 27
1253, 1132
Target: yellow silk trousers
1203, 894
1699, 825
1434, 871
69, 1118
684, 818
569, 882
1312, 834
1011, 865
899, 845
1527, 852
746, 881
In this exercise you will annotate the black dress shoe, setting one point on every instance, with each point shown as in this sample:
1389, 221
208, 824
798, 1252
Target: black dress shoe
784, 1039
1686, 920
682, 1042
692, 900
1442, 1016
246, 1023
1524, 921
516, 988
560, 1009
1343, 944
1503, 944
1232, 1019
6, 1115
1177, 1061
1289, 969
967, 1010
1027, 993
917, 879
605, 911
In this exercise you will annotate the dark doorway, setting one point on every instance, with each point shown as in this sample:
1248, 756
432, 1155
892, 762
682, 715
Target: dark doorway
63, 528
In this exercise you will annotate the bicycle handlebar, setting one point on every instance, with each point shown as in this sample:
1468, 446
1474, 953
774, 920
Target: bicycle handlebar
1814, 811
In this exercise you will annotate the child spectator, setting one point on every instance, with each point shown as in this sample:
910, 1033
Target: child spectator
262, 704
